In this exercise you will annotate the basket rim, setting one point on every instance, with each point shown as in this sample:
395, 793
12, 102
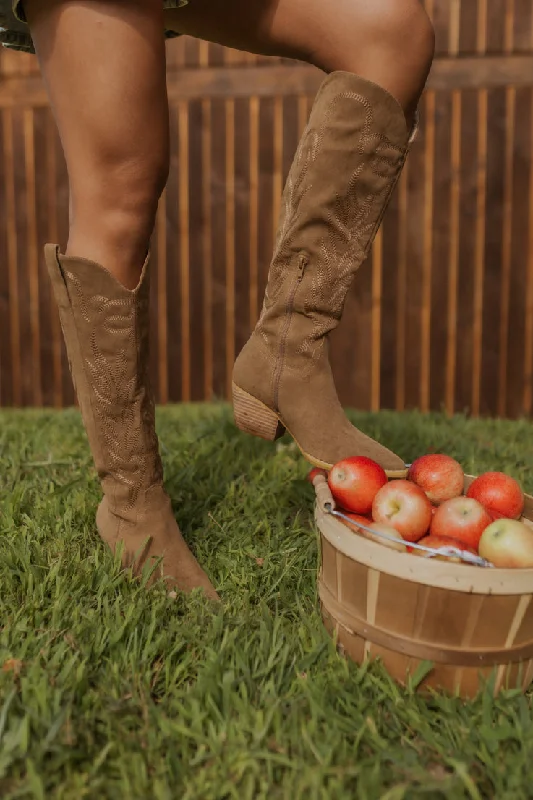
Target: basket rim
428, 572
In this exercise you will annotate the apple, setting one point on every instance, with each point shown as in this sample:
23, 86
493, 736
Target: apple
461, 518
376, 526
405, 506
355, 481
436, 542
314, 473
357, 519
441, 477
507, 543
379, 527
499, 493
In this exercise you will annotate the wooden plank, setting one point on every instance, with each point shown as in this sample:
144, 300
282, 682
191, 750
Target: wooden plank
283, 81
266, 201
518, 324
427, 252
230, 242
253, 222
53, 237
390, 303
6, 371
376, 321
453, 256
197, 346
207, 249
159, 272
242, 235
507, 232
218, 243
401, 282
183, 234
438, 249
32, 255
12, 256
491, 297
173, 255
528, 349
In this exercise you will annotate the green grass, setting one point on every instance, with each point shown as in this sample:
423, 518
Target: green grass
108, 691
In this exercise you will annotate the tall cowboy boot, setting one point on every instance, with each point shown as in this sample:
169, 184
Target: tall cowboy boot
105, 327
344, 172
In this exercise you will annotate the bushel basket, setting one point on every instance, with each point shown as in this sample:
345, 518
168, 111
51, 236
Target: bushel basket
471, 623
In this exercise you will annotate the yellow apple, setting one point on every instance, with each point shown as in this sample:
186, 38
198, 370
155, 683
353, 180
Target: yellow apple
507, 543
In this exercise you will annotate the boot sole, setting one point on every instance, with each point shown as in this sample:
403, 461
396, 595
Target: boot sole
254, 417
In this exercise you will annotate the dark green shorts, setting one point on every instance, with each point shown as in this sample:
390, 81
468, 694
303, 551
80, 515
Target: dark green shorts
15, 34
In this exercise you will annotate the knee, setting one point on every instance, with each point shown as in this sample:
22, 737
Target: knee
395, 33
402, 29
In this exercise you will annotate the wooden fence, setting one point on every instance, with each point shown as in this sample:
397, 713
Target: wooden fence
440, 317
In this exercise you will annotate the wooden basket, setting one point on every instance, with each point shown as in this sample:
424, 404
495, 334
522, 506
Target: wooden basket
471, 623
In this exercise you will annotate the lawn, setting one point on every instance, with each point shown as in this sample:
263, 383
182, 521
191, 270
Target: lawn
111, 691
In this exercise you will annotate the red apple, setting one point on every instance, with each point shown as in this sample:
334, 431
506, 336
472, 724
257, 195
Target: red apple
355, 481
405, 506
375, 526
358, 519
436, 542
379, 527
499, 493
314, 472
441, 477
461, 518
507, 543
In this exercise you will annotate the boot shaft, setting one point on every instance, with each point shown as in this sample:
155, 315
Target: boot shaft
347, 164
106, 331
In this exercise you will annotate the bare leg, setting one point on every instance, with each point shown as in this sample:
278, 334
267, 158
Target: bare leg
104, 67
389, 42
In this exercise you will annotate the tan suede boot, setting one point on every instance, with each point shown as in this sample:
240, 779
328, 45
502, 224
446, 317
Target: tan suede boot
346, 167
106, 334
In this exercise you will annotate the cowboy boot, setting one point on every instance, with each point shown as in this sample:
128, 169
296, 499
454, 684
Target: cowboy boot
105, 327
344, 172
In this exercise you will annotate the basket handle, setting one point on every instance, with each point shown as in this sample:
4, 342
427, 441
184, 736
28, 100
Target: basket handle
323, 493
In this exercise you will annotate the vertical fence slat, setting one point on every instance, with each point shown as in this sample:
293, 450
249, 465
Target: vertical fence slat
277, 175
32, 256
230, 242
480, 231
12, 256
427, 254
402, 278
53, 236
376, 317
162, 295
254, 210
183, 232
528, 350
207, 251
454, 249
507, 232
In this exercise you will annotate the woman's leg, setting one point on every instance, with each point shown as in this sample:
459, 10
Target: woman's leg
389, 42
378, 54
104, 67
